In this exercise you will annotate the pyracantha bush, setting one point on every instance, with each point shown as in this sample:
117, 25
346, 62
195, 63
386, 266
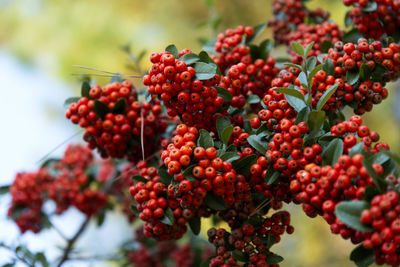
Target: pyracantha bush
233, 135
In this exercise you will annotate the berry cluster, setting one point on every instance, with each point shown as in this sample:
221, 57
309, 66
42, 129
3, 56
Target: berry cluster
374, 18
195, 101
384, 217
319, 33
113, 119
27, 192
252, 242
375, 63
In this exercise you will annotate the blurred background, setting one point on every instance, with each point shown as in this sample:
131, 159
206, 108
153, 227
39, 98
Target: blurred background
40, 40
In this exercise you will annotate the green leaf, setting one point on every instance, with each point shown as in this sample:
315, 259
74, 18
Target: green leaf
316, 119
302, 115
293, 65
270, 179
370, 192
221, 123
48, 162
101, 218
391, 155
258, 143
188, 173
357, 149
326, 45
139, 178
362, 257
325, 97
214, 202
378, 181
349, 213
273, 259
70, 100
269, 241
189, 58
352, 36
209, 46
116, 78
243, 166
119, 107
195, 225
258, 29
4, 189
253, 99
230, 156
290, 91
377, 73
240, 256
372, 6
165, 177
204, 57
297, 48
205, 71
308, 49
328, 67
348, 21
41, 258
101, 109
311, 62
226, 134
303, 79
168, 217
265, 48
172, 50
205, 139
365, 72
295, 102
135, 210
85, 89
225, 94
332, 152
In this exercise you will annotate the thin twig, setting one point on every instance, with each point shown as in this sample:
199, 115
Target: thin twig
107, 75
71, 242
58, 146
262, 205
90, 68
57, 230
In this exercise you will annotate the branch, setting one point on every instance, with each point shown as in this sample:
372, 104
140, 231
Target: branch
71, 242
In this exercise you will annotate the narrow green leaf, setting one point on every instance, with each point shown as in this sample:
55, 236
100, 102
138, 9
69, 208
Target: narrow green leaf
224, 93
372, 6
302, 115
119, 107
257, 143
240, 256
328, 67
101, 109
311, 62
295, 102
352, 36
116, 78
214, 202
168, 217
325, 97
139, 178
273, 178
308, 49
165, 177
326, 45
85, 89
226, 134
172, 50
362, 257
316, 119
205, 71
253, 99
189, 58
205, 139
188, 173
303, 79
293, 65
332, 152
273, 259
4, 189
70, 100
349, 213
378, 181
348, 21
365, 72
230, 156
195, 225
265, 49
357, 149
258, 29
297, 48
243, 166
290, 91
